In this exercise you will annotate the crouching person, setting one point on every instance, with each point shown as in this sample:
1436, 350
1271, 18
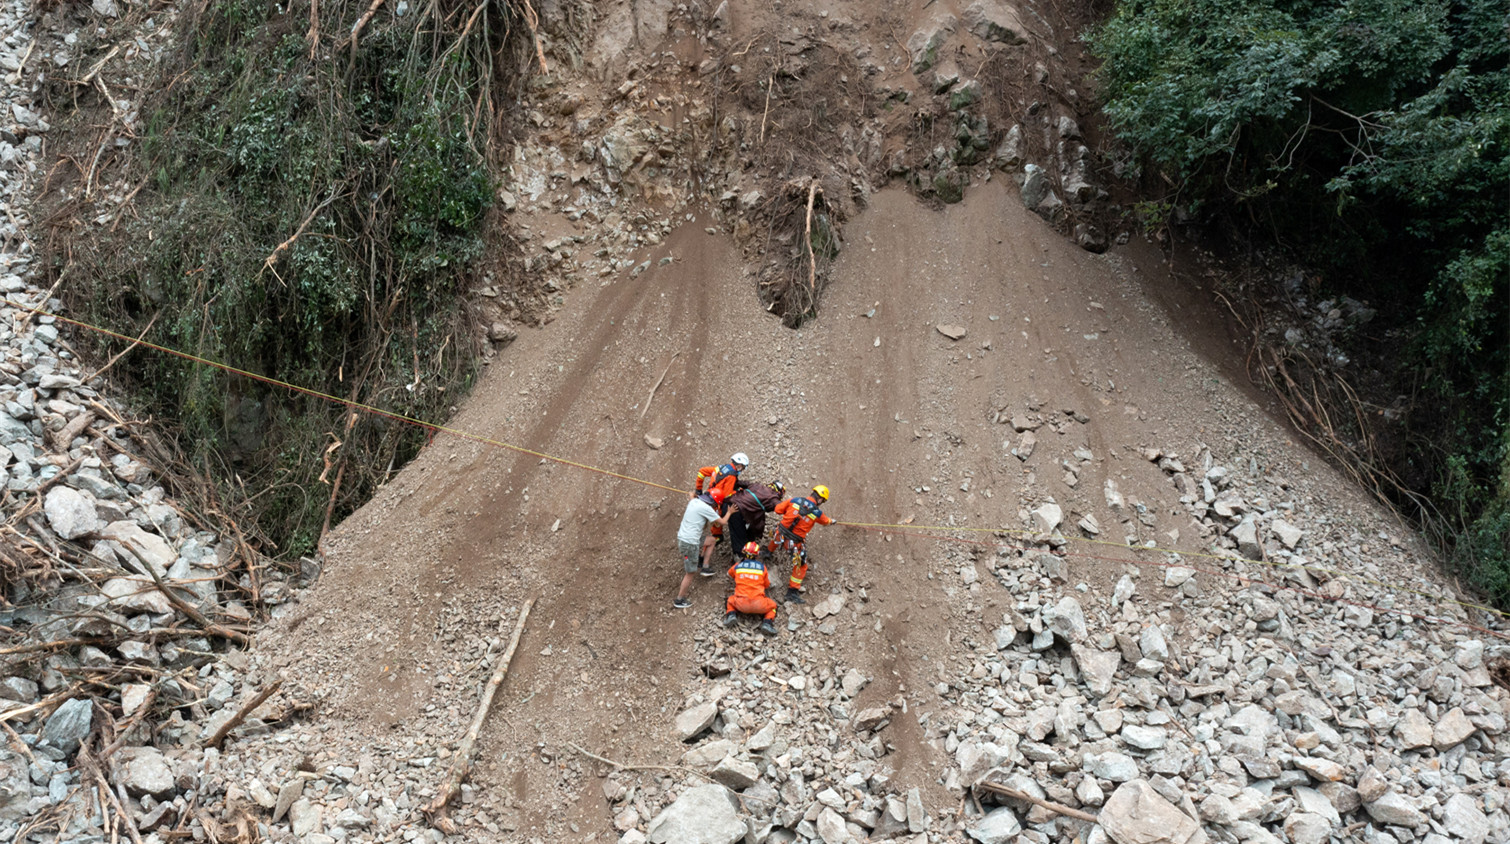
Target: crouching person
750, 583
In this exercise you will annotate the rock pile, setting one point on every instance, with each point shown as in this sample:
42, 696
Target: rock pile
109, 584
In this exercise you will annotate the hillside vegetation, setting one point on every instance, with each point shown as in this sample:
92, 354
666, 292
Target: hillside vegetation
1369, 140
310, 211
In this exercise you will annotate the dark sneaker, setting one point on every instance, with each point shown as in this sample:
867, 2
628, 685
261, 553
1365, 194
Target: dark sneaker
730, 618
681, 603
706, 571
768, 627
794, 596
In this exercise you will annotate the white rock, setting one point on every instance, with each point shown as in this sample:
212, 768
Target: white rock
144, 770
706, 814
1395, 808
1454, 728
1048, 517
1116, 767
71, 513
1136, 814
1414, 730
1153, 644
1288, 534
1461, 817
1097, 668
1175, 576
999, 826
1306, 828
692, 722
1066, 619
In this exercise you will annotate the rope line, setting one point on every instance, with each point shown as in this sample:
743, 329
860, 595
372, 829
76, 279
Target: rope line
895, 528
354, 405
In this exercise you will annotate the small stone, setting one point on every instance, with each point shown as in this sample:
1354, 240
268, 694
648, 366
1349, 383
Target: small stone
1117, 767
654, 442
1066, 619
1306, 828
1176, 576
953, 332
1371, 785
71, 513
1321, 770
304, 818
1098, 668
1144, 738
1048, 517
735, 773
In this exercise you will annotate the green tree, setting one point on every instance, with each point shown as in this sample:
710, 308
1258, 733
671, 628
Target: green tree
1372, 139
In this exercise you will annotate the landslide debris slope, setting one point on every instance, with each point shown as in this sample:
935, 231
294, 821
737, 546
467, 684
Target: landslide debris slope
1076, 559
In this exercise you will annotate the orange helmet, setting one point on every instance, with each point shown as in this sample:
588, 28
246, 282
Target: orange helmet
752, 549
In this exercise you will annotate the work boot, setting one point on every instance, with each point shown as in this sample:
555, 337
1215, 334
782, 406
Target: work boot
768, 627
730, 617
794, 596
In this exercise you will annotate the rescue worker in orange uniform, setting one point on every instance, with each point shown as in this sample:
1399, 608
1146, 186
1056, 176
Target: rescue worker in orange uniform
798, 515
721, 482
750, 583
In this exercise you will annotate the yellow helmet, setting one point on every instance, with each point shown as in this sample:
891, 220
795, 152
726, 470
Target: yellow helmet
821, 491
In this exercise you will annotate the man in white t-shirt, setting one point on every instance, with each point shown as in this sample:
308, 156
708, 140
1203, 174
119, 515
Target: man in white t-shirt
702, 510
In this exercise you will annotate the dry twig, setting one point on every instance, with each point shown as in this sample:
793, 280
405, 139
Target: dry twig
657, 385
1060, 808
245, 710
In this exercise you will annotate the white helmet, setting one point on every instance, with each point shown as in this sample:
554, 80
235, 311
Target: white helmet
740, 459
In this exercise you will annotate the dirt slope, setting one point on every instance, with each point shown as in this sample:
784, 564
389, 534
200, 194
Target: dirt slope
900, 429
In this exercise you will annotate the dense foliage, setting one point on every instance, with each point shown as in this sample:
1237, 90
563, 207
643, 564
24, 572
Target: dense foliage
310, 212
1371, 138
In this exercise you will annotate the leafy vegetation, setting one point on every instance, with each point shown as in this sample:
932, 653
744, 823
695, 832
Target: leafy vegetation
1370, 138
311, 212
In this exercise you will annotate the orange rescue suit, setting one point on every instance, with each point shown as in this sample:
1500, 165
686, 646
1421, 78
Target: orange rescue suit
798, 515
750, 583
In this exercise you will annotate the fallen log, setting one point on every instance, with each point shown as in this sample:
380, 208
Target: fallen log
435, 810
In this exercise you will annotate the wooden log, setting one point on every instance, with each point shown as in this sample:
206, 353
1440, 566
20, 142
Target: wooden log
435, 810
1059, 808
245, 710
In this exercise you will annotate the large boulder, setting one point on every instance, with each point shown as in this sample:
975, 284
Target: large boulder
145, 770
991, 20
999, 826
136, 595
70, 513
926, 45
692, 722
15, 785
69, 724
1136, 814
703, 815
128, 535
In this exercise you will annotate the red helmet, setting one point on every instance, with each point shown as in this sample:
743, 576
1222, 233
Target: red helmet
717, 495
752, 549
